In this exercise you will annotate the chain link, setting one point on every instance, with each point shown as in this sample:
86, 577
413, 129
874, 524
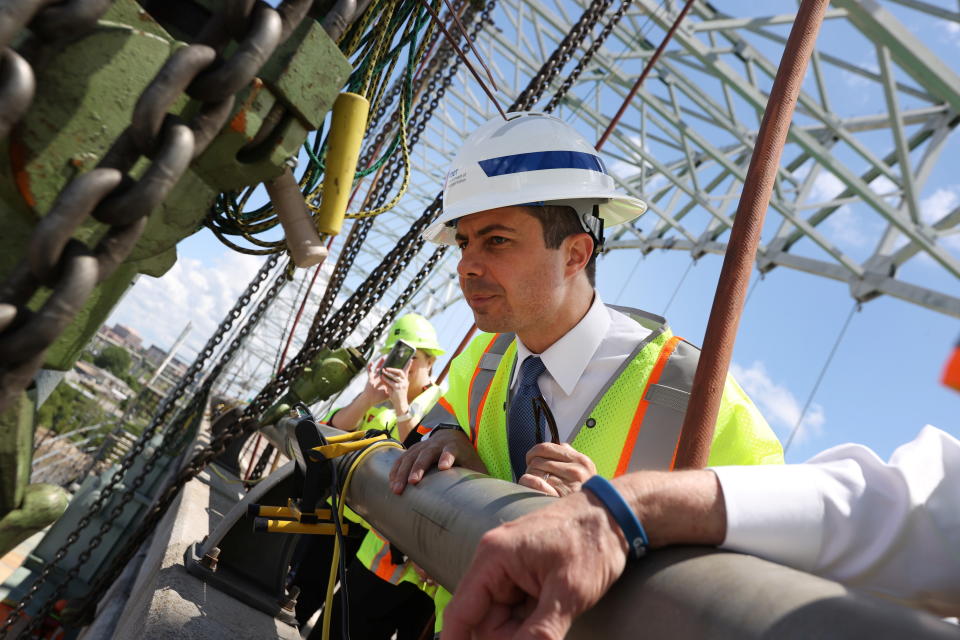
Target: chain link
588, 55
169, 142
166, 406
187, 417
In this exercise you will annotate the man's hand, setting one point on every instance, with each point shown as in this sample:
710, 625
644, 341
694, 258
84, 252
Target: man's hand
556, 469
443, 449
531, 577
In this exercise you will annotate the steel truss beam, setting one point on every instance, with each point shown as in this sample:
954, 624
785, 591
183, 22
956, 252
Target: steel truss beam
684, 143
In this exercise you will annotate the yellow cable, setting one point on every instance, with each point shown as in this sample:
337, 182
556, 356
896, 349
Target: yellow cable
332, 581
406, 173
377, 53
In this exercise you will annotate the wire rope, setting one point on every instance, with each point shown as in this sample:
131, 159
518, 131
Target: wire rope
677, 289
823, 370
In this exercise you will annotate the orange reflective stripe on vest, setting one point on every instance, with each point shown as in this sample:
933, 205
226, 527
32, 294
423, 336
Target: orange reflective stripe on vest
641, 411
482, 377
383, 564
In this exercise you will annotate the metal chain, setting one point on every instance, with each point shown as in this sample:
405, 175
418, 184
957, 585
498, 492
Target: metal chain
56, 261
436, 87
50, 23
261, 465
167, 405
588, 55
560, 56
192, 411
403, 298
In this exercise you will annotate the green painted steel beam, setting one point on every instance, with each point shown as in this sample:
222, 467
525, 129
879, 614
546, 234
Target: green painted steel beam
909, 52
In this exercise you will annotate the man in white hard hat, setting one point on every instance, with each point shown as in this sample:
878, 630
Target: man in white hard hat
562, 387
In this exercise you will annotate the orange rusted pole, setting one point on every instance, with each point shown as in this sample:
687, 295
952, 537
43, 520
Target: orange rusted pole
698, 425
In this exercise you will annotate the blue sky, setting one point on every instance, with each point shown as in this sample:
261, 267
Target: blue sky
882, 386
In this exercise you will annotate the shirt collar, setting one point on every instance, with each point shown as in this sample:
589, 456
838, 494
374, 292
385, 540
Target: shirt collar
567, 358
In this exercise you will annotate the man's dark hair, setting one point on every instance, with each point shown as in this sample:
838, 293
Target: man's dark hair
558, 223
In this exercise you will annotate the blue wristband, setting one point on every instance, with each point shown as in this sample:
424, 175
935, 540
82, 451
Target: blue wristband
621, 512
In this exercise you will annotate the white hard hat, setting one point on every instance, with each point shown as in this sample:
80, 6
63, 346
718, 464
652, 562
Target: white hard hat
532, 158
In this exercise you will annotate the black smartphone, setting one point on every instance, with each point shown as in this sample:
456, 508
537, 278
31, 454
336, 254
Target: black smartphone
399, 356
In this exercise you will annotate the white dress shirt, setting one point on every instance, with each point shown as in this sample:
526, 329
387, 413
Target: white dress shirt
892, 528
580, 364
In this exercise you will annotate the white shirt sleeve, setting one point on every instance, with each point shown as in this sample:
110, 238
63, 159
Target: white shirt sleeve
892, 528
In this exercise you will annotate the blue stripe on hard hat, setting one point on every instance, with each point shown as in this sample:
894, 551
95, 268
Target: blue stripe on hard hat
539, 160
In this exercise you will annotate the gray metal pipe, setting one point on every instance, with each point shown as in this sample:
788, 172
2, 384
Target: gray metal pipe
675, 593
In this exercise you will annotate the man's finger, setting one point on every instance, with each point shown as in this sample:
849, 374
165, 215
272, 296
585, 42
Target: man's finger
470, 605
427, 458
537, 483
401, 470
562, 452
447, 458
485, 597
568, 472
553, 616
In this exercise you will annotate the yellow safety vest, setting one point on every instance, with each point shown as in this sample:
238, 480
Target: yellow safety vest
374, 551
634, 423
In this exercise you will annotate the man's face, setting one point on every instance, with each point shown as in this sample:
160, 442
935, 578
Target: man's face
509, 278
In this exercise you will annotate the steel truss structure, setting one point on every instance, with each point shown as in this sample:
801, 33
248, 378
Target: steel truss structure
852, 202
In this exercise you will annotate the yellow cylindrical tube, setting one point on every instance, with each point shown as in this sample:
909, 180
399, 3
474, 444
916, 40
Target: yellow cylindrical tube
348, 124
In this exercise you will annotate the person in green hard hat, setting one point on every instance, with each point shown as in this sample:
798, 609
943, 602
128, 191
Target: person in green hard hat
393, 400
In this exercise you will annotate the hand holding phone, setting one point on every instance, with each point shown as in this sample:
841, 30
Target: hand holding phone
399, 356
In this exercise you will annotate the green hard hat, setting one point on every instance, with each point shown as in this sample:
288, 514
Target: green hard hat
416, 331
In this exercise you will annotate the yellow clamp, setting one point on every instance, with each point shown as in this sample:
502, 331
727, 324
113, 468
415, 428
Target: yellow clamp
341, 445
287, 513
291, 526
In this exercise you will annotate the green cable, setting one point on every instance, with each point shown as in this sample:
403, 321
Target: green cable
228, 218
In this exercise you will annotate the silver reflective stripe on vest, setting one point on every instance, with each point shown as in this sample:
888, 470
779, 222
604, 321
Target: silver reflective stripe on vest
437, 415
656, 332
667, 404
486, 369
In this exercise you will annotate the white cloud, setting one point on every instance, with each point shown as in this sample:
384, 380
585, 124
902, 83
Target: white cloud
826, 186
846, 227
937, 205
778, 404
627, 170
159, 308
952, 30
884, 186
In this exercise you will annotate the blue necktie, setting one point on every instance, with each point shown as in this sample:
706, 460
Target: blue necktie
522, 426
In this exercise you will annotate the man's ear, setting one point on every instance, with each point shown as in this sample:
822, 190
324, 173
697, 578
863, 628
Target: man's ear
578, 250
